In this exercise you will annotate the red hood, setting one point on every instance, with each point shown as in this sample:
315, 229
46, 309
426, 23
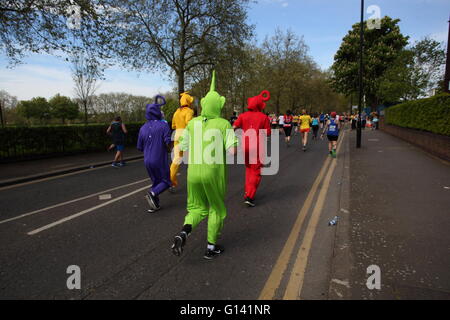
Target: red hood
257, 103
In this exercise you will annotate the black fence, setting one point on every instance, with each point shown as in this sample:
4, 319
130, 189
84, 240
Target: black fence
23, 143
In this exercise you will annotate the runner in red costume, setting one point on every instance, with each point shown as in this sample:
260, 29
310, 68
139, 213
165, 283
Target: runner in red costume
252, 122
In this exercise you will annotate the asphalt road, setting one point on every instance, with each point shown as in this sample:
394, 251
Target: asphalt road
124, 252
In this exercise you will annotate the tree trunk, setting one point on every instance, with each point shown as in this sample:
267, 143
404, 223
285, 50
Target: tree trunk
181, 82
85, 112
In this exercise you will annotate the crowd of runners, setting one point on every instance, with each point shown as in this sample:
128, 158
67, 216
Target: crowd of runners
207, 180
305, 123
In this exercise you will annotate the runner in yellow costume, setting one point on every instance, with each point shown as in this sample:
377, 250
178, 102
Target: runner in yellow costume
180, 119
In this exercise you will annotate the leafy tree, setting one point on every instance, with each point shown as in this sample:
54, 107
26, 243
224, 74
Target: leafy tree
284, 52
130, 107
235, 67
282, 65
63, 108
400, 82
36, 108
415, 73
429, 61
382, 48
45, 26
170, 107
178, 35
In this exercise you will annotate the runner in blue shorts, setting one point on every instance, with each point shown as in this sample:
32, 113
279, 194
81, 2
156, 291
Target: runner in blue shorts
117, 130
331, 128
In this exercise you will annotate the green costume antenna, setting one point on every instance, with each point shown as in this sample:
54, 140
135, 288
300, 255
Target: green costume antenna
213, 102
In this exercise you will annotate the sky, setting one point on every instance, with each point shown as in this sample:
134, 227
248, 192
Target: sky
322, 23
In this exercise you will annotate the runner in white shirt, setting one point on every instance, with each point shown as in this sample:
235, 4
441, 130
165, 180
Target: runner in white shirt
281, 122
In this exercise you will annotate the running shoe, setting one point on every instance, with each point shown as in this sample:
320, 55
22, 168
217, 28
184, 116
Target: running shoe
211, 254
178, 243
249, 202
153, 210
304, 148
172, 189
152, 200
115, 165
333, 153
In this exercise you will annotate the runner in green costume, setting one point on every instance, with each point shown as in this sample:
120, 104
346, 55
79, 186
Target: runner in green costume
207, 137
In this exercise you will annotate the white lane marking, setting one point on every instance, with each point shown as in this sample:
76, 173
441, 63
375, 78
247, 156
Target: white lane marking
76, 215
69, 202
344, 283
105, 196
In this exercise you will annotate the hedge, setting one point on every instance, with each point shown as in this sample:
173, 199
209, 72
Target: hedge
30, 142
431, 114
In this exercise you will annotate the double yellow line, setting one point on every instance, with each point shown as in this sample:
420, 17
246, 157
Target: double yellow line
295, 284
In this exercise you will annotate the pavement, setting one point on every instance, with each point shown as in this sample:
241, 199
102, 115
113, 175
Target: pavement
390, 198
394, 203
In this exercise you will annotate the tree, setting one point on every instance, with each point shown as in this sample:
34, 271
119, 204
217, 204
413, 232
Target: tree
281, 64
7, 103
37, 108
178, 35
429, 62
85, 73
63, 108
284, 51
235, 66
382, 48
415, 73
45, 26
130, 107
170, 107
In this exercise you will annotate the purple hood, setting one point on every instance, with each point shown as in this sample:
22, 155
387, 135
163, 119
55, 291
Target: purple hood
153, 111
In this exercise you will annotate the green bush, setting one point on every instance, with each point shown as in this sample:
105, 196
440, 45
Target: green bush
28, 142
431, 114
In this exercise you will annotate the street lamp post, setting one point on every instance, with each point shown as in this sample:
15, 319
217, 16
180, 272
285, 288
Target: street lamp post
447, 65
361, 45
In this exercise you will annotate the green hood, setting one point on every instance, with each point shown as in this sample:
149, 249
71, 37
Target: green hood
213, 102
